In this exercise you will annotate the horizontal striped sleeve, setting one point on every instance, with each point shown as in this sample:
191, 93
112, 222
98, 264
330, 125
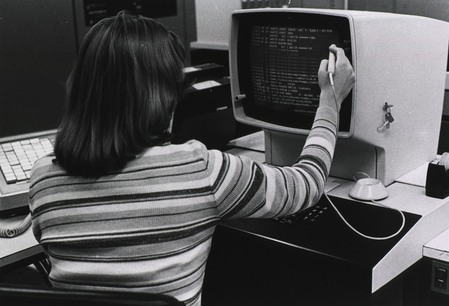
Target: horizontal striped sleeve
247, 189
318, 151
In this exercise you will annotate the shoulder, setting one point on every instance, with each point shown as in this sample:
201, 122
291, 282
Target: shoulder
192, 151
45, 165
45, 171
176, 151
170, 156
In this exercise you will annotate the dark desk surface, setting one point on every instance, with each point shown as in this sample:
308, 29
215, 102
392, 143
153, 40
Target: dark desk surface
330, 237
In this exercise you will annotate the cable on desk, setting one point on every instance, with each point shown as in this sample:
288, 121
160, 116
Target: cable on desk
367, 236
15, 231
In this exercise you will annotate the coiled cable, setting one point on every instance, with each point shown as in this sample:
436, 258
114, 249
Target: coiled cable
17, 230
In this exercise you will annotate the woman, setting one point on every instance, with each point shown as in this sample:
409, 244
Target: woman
118, 206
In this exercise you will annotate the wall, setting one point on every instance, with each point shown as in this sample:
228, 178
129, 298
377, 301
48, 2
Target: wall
213, 16
213, 23
37, 49
183, 24
430, 8
38, 45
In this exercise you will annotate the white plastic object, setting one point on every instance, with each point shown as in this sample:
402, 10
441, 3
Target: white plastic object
368, 189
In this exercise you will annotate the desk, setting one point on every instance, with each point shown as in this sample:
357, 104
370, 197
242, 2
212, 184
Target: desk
437, 250
20, 250
252, 244
401, 257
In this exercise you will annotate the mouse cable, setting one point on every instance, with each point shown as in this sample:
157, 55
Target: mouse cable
360, 233
331, 78
331, 71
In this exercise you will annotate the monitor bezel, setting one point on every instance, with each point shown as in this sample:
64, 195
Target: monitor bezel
244, 109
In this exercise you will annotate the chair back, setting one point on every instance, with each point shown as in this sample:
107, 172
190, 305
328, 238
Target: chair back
12, 295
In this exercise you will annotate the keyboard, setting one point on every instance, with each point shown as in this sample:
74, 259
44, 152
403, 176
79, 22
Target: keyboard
309, 216
17, 156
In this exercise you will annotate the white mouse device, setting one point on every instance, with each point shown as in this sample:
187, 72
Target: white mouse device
368, 189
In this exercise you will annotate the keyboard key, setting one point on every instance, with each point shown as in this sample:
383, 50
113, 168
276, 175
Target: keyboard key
10, 178
7, 147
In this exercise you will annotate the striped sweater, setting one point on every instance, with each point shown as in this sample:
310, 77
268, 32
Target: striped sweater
149, 227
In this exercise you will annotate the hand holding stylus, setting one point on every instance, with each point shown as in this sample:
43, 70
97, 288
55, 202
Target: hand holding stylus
336, 77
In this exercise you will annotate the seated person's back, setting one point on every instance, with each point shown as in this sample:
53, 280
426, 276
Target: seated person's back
118, 206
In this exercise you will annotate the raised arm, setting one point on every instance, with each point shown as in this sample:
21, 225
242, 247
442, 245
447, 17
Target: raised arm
245, 188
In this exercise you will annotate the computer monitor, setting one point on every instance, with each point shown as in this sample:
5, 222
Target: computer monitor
399, 61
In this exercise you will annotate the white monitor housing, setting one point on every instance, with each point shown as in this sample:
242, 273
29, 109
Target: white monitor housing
398, 59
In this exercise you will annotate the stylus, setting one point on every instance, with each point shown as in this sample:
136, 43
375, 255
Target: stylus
331, 67
331, 71
331, 64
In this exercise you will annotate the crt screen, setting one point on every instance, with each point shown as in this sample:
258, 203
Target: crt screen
282, 60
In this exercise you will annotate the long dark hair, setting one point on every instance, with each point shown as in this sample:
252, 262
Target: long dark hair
121, 93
